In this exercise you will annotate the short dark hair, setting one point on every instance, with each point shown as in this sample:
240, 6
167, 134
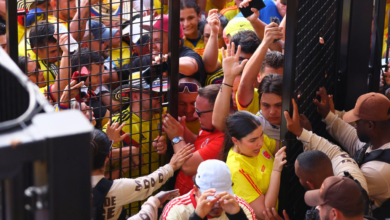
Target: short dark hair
313, 161
189, 4
248, 40
273, 59
22, 62
272, 83
3, 29
210, 92
85, 57
100, 147
42, 34
224, 21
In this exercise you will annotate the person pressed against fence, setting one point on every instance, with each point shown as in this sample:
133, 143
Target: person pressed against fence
207, 143
188, 92
372, 125
255, 161
114, 194
189, 18
211, 197
142, 117
33, 71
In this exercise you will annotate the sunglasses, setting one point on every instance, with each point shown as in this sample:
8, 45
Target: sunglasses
191, 87
200, 113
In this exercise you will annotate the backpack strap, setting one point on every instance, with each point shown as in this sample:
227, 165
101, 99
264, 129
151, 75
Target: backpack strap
360, 154
100, 192
379, 155
368, 203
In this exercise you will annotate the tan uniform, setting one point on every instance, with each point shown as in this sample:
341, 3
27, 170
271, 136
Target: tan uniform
148, 210
341, 161
124, 191
377, 173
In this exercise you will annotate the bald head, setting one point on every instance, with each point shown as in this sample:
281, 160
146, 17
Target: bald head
312, 168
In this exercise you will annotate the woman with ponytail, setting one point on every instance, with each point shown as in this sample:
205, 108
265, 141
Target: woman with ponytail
115, 194
251, 157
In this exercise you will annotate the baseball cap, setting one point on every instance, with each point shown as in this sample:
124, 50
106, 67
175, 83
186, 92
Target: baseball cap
22, 6
371, 107
99, 31
341, 193
164, 19
236, 25
141, 84
214, 174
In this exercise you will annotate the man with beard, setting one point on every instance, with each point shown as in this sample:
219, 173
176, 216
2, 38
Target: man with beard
372, 117
207, 144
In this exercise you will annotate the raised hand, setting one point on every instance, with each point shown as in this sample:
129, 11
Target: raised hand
71, 93
255, 14
204, 205
172, 127
228, 203
181, 156
213, 21
113, 131
272, 32
323, 107
293, 124
63, 42
231, 65
280, 159
160, 144
305, 123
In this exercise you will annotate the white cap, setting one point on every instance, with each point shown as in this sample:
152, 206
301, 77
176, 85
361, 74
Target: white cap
214, 174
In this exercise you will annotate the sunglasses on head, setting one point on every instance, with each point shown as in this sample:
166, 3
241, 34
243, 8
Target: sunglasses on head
190, 87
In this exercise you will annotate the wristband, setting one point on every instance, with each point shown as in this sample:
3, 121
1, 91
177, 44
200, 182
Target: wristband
277, 170
63, 107
227, 85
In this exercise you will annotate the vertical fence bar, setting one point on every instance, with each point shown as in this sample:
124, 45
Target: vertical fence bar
12, 30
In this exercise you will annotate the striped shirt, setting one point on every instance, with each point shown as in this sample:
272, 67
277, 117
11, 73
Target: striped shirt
182, 207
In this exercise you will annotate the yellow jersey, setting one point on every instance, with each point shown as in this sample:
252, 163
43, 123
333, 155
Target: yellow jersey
251, 175
386, 30
139, 138
230, 12
209, 5
165, 8
49, 71
253, 107
116, 55
198, 48
193, 126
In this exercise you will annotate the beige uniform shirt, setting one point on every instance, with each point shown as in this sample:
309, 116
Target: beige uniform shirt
377, 173
341, 161
148, 210
125, 190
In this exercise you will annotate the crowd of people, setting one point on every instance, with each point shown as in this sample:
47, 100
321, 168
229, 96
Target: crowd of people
226, 141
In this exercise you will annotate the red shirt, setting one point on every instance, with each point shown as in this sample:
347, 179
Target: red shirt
209, 145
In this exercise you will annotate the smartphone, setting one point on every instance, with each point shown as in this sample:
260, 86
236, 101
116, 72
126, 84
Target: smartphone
81, 76
153, 72
258, 4
277, 21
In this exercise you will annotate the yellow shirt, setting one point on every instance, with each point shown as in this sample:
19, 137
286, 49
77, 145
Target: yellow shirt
251, 175
386, 29
209, 5
253, 107
48, 73
230, 12
193, 126
165, 8
139, 139
198, 48
116, 55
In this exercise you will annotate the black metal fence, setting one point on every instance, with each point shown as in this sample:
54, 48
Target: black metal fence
327, 45
106, 45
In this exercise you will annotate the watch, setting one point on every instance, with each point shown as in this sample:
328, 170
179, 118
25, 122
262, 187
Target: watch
176, 140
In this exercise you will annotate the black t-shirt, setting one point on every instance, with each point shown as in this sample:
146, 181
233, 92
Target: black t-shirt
145, 62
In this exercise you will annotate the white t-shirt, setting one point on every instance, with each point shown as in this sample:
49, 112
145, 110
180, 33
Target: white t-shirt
125, 190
